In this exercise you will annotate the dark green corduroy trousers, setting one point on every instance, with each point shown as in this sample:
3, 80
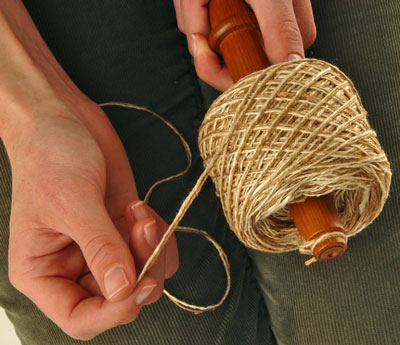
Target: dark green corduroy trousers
132, 51
354, 300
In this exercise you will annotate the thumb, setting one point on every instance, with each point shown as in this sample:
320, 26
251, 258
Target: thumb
106, 253
282, 37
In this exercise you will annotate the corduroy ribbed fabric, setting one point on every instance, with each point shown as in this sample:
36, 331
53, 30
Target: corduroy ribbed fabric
132, 51
353, 300
350, 301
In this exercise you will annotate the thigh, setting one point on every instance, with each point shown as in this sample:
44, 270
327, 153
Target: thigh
352, 300
132, 51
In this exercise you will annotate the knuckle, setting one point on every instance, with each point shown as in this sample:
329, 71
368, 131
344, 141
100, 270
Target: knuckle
289, 31
99, 249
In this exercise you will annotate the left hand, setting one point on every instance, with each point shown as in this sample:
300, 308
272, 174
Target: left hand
74, 249
287, 27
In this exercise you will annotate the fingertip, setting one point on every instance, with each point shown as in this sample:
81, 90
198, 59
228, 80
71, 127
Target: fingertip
145, 237
208, 66
171, 258
117, 284
195, 19
150, 294
305, 19
284, 47
309, 37
138, 234
130, 209
294, 57
148, 291
139, 239
171, 248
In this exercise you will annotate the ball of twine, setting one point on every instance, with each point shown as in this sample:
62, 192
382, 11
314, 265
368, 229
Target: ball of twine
280, 135
285, 133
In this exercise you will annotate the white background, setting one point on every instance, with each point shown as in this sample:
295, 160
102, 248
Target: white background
7, 333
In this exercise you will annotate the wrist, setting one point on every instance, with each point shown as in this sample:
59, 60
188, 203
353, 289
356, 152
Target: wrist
30, 77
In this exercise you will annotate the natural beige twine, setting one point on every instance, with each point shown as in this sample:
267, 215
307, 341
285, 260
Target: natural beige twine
288, 132
279, 135
182, 304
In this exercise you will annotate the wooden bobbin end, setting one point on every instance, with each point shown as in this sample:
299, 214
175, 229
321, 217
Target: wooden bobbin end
315, 217
330, 249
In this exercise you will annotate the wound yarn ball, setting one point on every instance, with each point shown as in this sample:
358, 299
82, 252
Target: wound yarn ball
288, 132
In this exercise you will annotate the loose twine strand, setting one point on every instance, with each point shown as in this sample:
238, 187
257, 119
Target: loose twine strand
196, 309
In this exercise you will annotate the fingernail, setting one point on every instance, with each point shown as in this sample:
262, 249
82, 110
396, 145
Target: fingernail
194, 45
139, 210
115, 281
293, 57
146, 291
150, 233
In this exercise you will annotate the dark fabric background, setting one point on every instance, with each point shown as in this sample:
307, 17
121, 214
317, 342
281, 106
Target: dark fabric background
131, 51
355, 299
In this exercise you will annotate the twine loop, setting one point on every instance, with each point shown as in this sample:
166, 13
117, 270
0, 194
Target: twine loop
196, 309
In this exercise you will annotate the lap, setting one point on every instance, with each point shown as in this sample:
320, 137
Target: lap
352, 300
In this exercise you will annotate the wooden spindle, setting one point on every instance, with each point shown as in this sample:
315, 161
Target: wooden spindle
235, 35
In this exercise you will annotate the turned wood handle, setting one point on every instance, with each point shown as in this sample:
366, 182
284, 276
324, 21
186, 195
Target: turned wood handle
235, 35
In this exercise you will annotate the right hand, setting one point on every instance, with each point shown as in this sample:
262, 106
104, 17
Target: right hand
287, 27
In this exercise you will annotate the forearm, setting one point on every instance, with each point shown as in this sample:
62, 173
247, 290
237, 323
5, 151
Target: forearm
29, 73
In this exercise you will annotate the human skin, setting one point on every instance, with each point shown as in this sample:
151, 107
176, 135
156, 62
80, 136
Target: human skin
287, 27
76, 243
